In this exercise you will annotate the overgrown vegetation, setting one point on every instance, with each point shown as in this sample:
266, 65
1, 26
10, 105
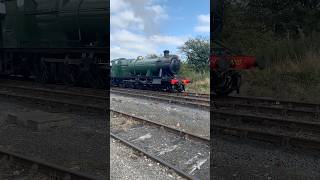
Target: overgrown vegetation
196, 66
293, 80
200, 79
285, 38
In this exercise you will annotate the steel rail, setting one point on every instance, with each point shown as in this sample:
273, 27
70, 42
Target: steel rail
216, 112
242, 99
283, 122
51, 170
234, 105
102, 109
61, 92
155, 158
183, 101
166, 127
103, 50
284, 140
29, 98
282, 111
272, 101
266, 119
187, 95
296, 141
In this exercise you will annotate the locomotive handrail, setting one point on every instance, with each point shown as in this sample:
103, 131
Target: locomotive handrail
51, 11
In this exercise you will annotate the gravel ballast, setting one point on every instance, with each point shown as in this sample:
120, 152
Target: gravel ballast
189, 155
192, 120
82, 146
127, 164
240, 159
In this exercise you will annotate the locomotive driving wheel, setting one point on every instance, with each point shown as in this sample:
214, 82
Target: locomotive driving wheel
225, 82
42, 72
70, 75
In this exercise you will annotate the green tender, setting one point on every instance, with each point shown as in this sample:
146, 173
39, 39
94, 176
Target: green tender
54, 23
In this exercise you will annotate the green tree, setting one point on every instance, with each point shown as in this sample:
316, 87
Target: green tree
197, 52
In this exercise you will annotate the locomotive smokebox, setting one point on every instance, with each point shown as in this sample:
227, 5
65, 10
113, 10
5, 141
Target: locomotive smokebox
175, 66
166, 53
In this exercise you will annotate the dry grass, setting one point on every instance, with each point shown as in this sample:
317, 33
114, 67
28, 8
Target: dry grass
200, 86
200, 80
122, 123
286, 79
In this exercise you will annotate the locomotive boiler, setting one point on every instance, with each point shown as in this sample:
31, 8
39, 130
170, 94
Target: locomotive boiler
159, 73
59, 41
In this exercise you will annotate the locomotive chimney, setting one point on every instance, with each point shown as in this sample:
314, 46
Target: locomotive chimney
166, 53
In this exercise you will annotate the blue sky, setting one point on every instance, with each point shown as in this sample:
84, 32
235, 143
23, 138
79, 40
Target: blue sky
141, 27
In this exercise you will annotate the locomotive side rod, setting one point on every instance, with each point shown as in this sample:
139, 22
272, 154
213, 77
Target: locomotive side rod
103, 50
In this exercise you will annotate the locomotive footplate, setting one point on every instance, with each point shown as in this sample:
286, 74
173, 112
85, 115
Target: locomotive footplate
156, 81
70, 66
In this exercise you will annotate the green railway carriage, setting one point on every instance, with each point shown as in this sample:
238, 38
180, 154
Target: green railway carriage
158, 73
55, 40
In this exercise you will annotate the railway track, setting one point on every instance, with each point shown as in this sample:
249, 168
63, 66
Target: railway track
244, 100
194, 101
188, 95
282, 122
285, 123
77, 101
177, 98
185, 153
36, 166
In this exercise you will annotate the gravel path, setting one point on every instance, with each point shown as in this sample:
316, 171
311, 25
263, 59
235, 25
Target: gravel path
191, 120
238, 159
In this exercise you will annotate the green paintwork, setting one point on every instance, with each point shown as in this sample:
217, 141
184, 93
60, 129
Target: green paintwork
149, 67
120, 67
55, 23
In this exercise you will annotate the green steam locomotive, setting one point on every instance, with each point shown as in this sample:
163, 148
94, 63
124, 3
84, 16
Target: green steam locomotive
59, 41
158, 73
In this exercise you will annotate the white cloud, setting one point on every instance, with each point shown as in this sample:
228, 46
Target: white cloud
138, 14
117, 5
125, 19
203, 24
130, 45
159, 12
134, 26
204, 18
168, 40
